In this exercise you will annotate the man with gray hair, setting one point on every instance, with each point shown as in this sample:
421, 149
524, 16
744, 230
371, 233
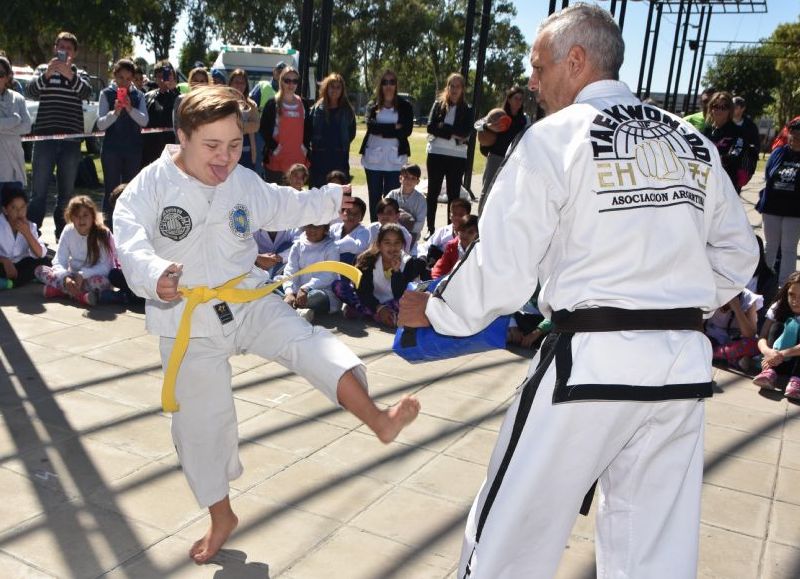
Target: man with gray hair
624, 214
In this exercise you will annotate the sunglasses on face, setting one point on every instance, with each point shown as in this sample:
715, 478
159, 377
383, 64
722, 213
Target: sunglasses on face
291, 80
720, 107
389, 82
3, 75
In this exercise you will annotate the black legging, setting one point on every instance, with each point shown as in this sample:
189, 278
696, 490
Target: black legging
439, 167
25, 268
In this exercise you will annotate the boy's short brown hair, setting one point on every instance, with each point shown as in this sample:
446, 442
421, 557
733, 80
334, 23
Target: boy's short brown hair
411, 169
208, 104
69, 37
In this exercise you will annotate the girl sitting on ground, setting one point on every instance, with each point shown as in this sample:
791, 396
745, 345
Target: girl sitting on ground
386, 272
778, 341
21, 247
84, 258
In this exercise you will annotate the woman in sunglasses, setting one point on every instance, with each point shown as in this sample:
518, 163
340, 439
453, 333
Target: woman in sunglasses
283, 126
729, 139
390, 120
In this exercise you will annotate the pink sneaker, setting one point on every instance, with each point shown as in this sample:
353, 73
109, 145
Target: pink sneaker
766, 379
793, 388
50, 292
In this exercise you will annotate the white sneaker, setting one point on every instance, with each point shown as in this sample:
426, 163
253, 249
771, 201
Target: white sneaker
306, 313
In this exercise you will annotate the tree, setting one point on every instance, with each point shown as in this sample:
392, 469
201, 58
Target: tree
100, 25
155, 22
196, 46
786, 52
748, 72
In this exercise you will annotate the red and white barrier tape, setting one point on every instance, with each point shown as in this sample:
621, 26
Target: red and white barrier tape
63, 136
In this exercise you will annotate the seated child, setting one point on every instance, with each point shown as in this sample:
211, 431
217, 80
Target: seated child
21, 248
778, 341
338, 177
84, 258
413, 206
311, 293
350, 236
459, 211
274, 246
386, 272
732, 330
297, 176
125, 295
528, 326
389, 212
455, 248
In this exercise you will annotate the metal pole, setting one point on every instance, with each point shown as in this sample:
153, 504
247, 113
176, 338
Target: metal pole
477, 90
324, 58
702, 54
644, 50
469, 30
613, 8
680, 58
622, 11
688, 98
564, 4
672, 60
659, 11
552, 7
307, 20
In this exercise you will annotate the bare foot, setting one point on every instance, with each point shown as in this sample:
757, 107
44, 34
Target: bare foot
223, 522
396, 418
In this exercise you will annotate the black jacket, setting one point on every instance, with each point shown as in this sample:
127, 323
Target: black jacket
461, 127
405, 118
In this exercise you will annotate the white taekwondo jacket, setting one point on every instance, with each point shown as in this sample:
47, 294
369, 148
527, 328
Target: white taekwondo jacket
166, 216
608, 202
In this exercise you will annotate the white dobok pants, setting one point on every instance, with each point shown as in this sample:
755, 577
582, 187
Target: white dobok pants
205, 430
648, 457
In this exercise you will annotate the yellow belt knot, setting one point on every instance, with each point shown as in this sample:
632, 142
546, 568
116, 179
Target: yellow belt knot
228, 292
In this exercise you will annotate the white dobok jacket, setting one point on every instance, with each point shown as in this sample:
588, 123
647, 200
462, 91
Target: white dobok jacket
608, 202
166, 216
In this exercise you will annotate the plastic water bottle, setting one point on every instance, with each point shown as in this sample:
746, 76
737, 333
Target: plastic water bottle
6, 283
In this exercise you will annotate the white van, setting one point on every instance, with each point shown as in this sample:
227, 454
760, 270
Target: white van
259, 61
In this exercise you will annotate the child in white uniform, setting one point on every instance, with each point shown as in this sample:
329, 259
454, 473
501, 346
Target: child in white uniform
189, 218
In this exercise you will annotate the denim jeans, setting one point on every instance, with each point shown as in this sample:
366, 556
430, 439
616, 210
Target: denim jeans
379, 183
47, 155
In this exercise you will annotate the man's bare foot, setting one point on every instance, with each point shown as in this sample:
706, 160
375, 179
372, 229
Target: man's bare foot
396, 418
223, 522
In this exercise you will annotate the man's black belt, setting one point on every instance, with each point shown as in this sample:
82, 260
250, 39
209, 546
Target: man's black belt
619, 320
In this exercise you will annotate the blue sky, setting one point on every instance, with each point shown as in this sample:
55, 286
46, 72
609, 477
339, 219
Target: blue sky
728, 27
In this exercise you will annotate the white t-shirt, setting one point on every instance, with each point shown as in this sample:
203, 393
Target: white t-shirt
382, 154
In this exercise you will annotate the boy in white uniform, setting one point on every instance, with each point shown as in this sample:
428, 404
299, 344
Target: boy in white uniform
624, 213
189, 217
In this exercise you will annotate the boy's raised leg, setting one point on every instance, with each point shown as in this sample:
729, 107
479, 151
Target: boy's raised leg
386, 424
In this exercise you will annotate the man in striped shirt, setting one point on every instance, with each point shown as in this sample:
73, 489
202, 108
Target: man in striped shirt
59, 90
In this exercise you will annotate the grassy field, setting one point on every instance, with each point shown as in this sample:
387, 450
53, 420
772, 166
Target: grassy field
418, 141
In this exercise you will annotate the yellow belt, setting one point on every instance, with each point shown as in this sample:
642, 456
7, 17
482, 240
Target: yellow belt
228, 292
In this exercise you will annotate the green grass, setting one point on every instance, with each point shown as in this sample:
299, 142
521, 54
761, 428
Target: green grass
418, 141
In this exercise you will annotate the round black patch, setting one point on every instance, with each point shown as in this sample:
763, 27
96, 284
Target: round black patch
175, 223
